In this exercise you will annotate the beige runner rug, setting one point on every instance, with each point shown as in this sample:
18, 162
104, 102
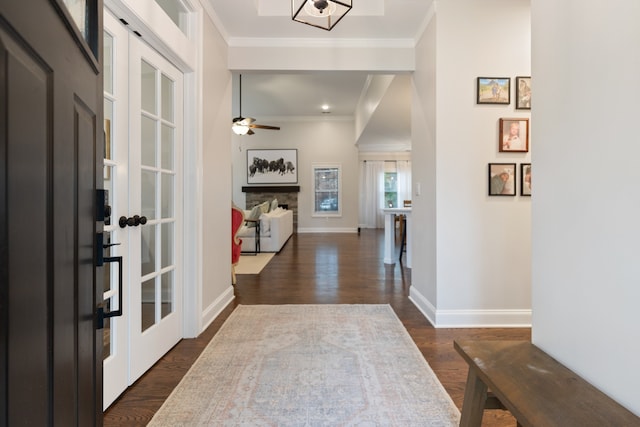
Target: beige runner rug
310, 365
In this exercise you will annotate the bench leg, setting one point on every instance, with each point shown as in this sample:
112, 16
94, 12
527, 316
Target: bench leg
475, 396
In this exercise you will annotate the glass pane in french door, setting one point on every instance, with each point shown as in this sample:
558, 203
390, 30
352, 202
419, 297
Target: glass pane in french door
110, 280
157, 152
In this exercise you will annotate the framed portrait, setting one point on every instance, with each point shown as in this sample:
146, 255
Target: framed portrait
502, 179
494, 90
523, 93
272, 166
525, 181
514, 135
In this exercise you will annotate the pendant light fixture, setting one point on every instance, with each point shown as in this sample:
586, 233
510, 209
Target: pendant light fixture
323, 14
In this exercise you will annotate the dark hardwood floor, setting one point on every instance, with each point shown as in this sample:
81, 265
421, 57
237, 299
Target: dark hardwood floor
320, 269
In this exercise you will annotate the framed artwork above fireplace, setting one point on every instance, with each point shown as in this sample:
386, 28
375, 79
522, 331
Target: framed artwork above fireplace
272, 166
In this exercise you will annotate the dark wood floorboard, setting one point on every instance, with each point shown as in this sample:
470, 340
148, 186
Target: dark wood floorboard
320, 269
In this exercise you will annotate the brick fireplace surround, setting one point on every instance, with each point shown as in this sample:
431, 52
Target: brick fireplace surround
286, 194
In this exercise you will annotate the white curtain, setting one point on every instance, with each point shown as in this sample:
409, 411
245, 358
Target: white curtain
371, 194
403, 168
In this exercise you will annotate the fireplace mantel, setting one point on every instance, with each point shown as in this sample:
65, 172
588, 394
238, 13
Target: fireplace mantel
271, 189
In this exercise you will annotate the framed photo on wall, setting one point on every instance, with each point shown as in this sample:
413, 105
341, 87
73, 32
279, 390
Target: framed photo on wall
525, 181
523, 93
514, 135
502, 179
493, 90
272, 166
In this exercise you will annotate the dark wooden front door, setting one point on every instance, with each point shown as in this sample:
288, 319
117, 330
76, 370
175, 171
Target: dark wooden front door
51, 163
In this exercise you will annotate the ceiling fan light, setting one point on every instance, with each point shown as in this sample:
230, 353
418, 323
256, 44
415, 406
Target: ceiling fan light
323, 14
242, 125
240, 128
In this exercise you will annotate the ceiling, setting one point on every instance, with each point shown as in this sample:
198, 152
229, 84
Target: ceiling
368, 19
291, 95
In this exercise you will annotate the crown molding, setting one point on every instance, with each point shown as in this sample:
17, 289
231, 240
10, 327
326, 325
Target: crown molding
299, 119
320, 43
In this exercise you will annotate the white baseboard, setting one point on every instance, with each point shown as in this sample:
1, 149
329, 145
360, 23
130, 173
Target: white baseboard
327, 230
423, 304
469, 318
215, 308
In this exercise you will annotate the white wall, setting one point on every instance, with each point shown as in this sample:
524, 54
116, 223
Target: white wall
586, 267
424, 287
375, 90
215, 170
317, 141
482, 258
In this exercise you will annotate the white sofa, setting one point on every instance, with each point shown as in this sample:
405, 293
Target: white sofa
275, 229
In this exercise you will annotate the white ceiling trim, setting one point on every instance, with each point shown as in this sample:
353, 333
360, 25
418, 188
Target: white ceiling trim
383, 148
331, 43
301, 119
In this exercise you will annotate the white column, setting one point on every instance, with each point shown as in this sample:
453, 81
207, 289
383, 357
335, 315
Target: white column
389, 237
408, 237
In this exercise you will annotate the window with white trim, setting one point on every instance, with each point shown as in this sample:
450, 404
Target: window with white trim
178, 12
327, 189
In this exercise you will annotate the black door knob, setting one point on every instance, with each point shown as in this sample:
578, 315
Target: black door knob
132, 221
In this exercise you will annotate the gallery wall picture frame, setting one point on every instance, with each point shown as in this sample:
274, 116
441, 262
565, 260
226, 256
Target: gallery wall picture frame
523, 93
502, 179
272, 166
513, 135
525, 180
493, 90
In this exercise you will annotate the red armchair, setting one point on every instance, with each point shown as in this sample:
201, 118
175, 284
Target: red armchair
237, 219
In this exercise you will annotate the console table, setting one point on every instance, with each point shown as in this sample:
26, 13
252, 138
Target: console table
389, 233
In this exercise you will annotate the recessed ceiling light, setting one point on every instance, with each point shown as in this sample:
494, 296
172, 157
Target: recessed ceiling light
325, 107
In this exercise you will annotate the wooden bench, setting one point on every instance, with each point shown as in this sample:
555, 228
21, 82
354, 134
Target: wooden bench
534, 387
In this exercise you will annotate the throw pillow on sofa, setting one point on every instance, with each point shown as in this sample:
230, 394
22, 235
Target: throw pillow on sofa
254, 215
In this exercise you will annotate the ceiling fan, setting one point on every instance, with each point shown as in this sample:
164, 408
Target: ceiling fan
245, 125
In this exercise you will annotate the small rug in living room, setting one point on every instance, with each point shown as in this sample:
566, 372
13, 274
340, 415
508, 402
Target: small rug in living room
253, 264
310, 365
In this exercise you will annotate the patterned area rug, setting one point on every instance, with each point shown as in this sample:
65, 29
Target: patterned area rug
310, 365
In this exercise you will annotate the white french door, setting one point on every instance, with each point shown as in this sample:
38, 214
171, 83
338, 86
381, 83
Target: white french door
116, 114
155, 163
143, 172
